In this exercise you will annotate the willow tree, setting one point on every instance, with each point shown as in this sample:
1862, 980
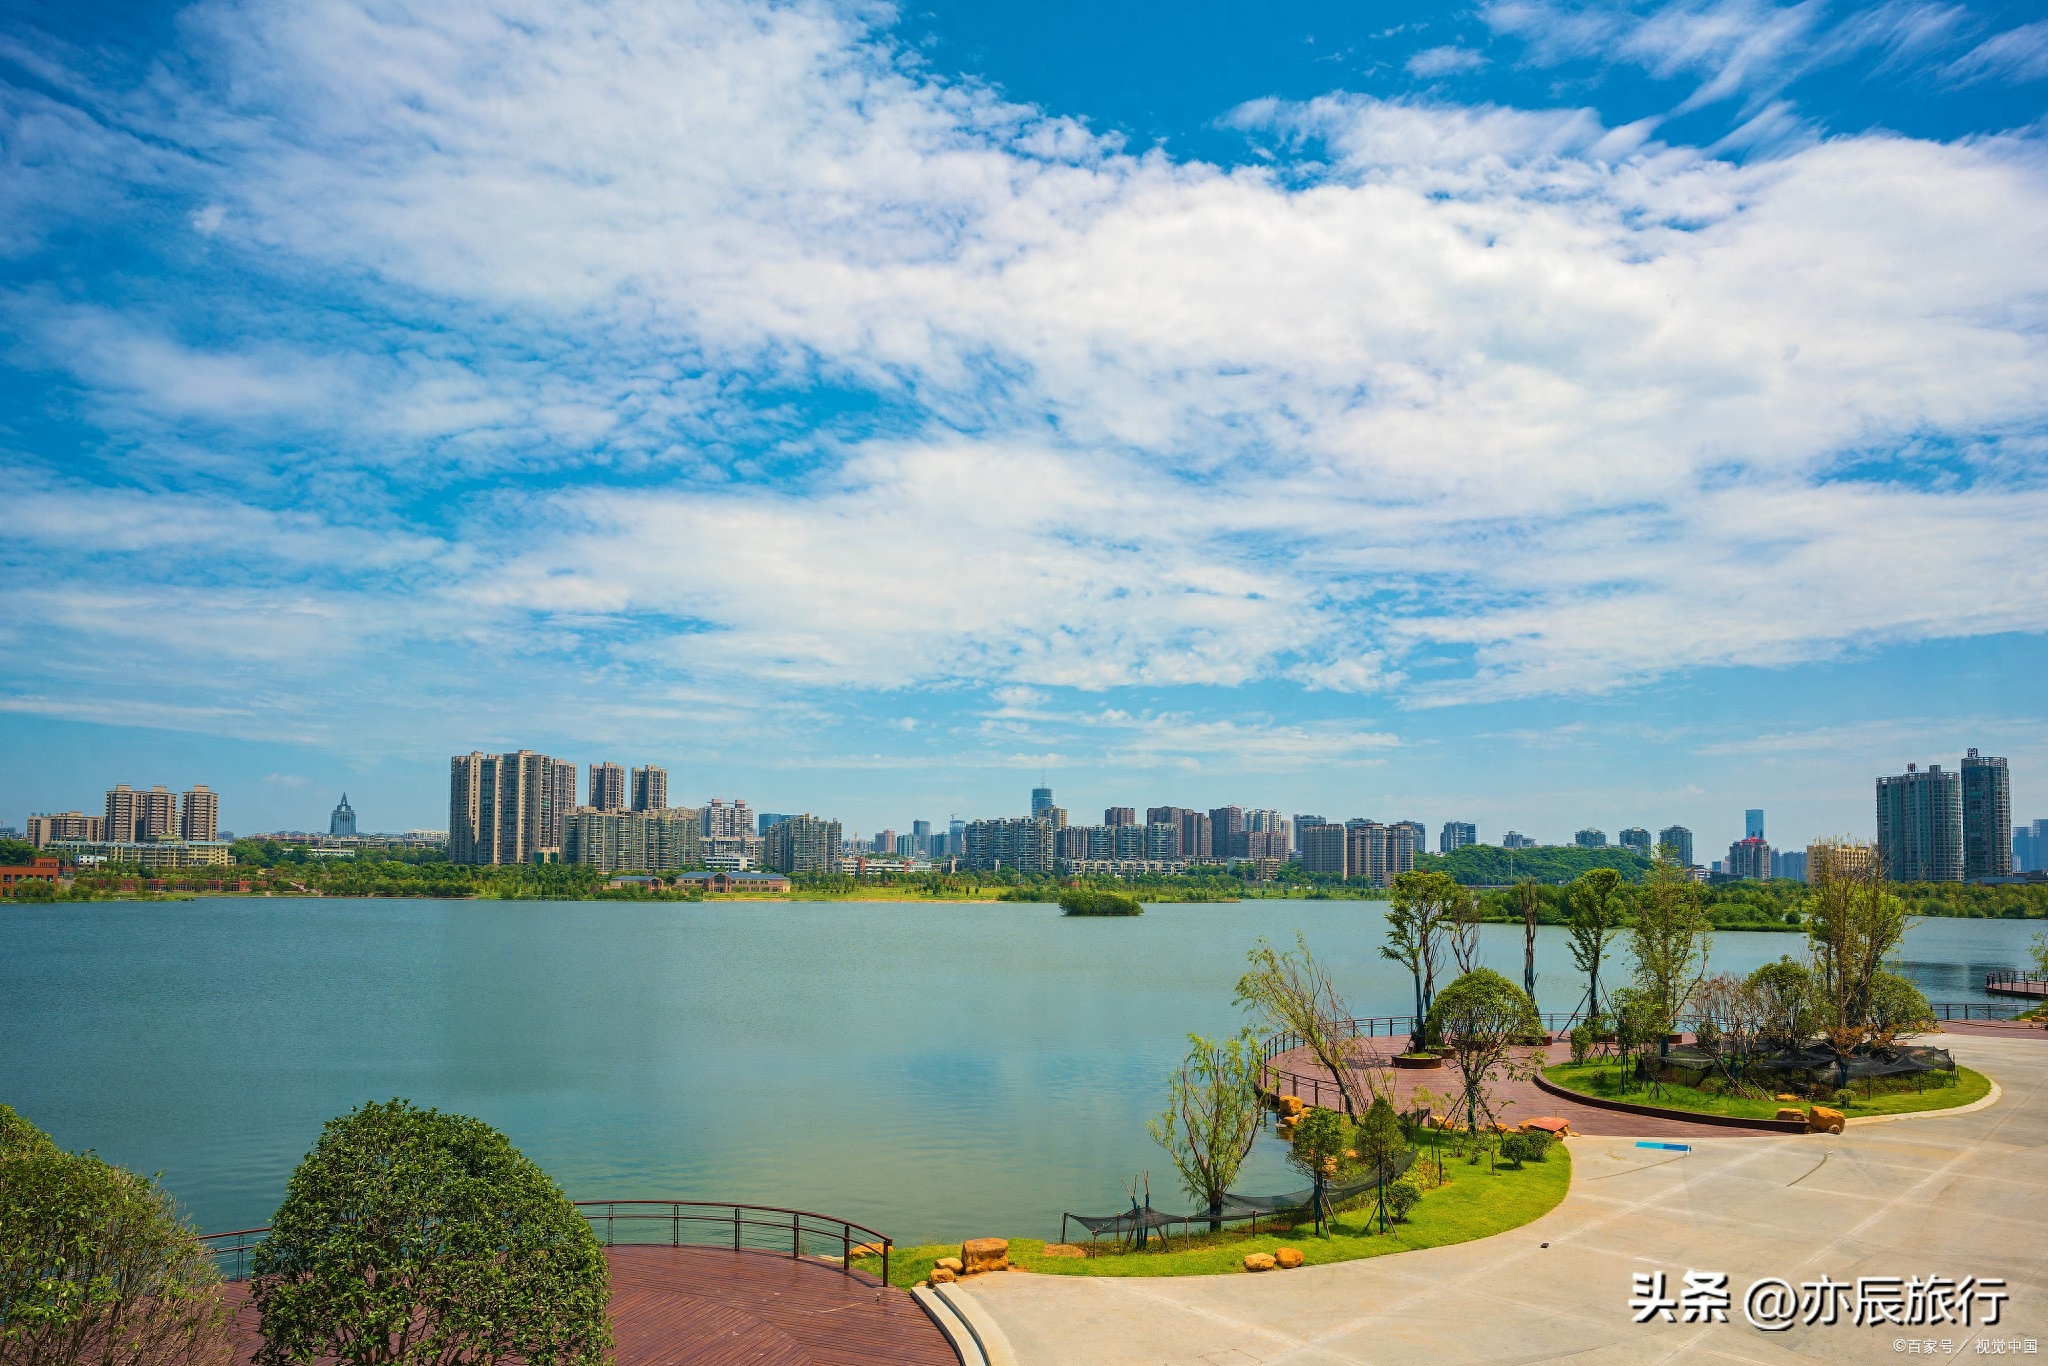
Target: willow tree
1599, 913
1853, 924
1670, 937
1211, 1117
1527, 901
1416, 926
1292, 994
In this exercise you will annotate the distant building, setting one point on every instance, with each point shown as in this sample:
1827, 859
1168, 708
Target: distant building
766, 819
637, 841
1041, 798
1055, 815
723, 821
1300, 821
554, 831
884, 842
802, 844
134, 817
1749, 858
65, 825
1636, 840
1197, 831
1987, 815
1839, 859
1920, 825
342, 820
47, 870
1379, 853
1753, 823
2029, 846
1789, 863
650, 789
1676, 842
608, 787
1515, 840
149, 855
502, 808
1590, 839
1120, 815
1021, 844
1456, 835
921, 838
1323, 848
1227, 832
734, 882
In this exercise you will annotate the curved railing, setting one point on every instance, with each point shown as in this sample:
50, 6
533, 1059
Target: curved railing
743, 1228
2016, 984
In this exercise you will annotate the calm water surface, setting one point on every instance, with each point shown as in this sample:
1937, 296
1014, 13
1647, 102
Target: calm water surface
932, 1070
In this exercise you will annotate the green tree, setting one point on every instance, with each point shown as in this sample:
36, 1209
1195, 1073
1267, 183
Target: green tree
1292, 994
1528, 903
1481, 1017
2040, 952
1854, 924
1599, 913
409, 1236
1897, 1009
96, 1266
1379, 1144
1321, 1138
1212, 1117
1415, 931
1670, 937
1785, 1003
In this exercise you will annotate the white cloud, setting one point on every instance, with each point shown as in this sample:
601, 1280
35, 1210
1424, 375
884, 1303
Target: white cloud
2018, 54
1445, 61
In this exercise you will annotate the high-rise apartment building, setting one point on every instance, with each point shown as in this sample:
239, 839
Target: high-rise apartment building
1676, 842
1323, 847
1987, 815
342, 820
1379, 853
723, 821
65, 825
1227, 832
562, 804
802, 844
1590, 838
199, 813
1456, 835
1749, 858
1636, 839
921, 838
1920, 825
1514, 839
502, 807
634, 841
1789, 863
1041, 798
608, 787
1753, 823
1120, 815
769, 818
139, 817
650, 789
2029, 847
1023, 844
1839, 859
1300, 821
1055, 815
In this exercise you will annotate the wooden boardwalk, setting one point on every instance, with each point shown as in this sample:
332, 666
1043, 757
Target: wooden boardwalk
695, 1306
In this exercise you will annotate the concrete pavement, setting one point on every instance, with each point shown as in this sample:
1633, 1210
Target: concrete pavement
1956, 1196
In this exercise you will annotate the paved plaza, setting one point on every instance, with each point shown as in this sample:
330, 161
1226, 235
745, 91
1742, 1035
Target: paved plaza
1957, 1195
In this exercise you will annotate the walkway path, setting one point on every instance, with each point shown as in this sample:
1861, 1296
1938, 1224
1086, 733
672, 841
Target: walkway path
1949, 1195
706, 1307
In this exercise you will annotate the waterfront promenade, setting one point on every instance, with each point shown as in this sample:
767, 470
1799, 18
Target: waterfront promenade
1943, 1194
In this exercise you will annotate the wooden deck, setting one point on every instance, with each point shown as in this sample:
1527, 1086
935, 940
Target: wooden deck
695, 1306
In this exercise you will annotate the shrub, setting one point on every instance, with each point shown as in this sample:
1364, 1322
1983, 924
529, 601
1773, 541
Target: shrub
1402, 1197
1516, 1149
1081, 901
95, 1264
1538, 1143
1582, 1042
408, 1236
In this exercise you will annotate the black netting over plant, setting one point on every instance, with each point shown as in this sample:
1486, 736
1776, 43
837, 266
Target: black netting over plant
1237, 1207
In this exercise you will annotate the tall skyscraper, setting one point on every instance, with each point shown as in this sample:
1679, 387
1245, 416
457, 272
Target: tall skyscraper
1119, 815
1987, 815
1515, 839
342, 820
650, 789
199, 813
1323, 848
1456, 835
1920, 825
802, 844
138, 817
502, 807
1299, 822
563, 805
2029, 847
65, 825
921, 838
723, 821
1749, 858
1227, 831
608, 787
766, 819
1636, 839
1676, 842
1041, 798
1590, 838
1753, 823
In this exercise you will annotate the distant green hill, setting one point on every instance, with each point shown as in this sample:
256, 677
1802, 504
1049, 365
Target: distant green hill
1483, 865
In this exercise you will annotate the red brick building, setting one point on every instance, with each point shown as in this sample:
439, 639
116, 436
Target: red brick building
42, 870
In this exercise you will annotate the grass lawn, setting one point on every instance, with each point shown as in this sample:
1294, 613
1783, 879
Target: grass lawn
1602, 1077
1473, 1203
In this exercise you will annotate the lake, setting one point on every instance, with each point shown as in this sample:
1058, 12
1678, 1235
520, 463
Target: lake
934, 1070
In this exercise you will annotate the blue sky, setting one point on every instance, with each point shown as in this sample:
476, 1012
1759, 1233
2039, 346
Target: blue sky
1533, 413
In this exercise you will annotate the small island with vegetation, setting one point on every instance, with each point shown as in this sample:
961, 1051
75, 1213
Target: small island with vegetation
1083, 901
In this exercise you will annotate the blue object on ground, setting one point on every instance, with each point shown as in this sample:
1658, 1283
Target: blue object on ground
1668, 1147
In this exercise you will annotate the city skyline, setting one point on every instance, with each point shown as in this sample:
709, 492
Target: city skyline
1020, 403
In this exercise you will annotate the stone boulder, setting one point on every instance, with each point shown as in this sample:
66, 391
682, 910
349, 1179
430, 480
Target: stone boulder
942, 1276
1292, 1105
985, 1254
1288, 1258
952, 1264
1821, 1120
1259, 1261
1795, 1116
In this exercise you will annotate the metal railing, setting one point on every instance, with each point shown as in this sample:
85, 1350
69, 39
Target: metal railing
2016, 984
1973, 1010
743, 1228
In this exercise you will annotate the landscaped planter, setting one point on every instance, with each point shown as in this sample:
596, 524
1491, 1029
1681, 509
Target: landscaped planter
1769, 1126
1418, 1062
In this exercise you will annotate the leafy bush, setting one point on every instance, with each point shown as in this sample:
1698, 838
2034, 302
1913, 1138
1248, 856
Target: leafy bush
96, 1266
1582, 1042
1538, 1144
1402, 1197
1081, 901
408, 1236
1517, 1149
